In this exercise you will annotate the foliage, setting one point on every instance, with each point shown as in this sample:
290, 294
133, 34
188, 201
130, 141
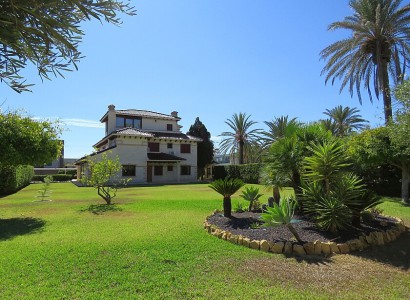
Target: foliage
249, 173
44, 191
227, 187
14, 178
380, 145
62, 177
325, 163
239, 207
205, 152
27, 141
47, 34
241, 137
103, 175
377, 47
279, 128
344, 120
281, 214
252, 195
219, 172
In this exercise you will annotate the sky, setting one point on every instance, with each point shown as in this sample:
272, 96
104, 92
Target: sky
202, 58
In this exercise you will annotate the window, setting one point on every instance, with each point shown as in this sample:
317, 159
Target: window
169, 145
158, 170
133, 122
185, 148
153, 147
169, 127
185, 170
170, 168
128, 170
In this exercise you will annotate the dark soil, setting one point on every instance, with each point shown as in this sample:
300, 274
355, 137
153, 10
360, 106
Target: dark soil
248, 225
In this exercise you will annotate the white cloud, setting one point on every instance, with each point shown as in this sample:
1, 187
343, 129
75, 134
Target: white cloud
82, 123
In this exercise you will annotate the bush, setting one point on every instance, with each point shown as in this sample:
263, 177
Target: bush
14, 178
73, 173
248, 173
62, 177
38, 178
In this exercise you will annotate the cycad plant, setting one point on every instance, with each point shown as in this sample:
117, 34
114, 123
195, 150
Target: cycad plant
251, 194
227, 187
281, 214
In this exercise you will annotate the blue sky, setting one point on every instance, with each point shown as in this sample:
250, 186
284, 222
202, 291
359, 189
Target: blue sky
203, 58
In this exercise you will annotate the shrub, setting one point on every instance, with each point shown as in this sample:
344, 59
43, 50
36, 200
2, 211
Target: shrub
252, 195
14, 178
247, 173
38, 178
62, 177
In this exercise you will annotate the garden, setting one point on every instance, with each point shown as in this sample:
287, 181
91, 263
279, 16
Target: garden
151, 244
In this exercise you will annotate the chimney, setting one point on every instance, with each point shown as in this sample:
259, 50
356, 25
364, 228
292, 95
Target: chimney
174, 114
111, 119
111, 107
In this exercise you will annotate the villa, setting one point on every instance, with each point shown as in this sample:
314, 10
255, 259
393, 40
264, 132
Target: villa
150, 147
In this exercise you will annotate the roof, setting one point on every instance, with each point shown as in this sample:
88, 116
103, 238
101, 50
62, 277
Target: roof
83, 160
149, 134
141, 113
163, 157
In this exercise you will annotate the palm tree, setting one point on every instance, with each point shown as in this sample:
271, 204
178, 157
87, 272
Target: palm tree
345, 120
241, 138
227, 187
378, 48
279, 128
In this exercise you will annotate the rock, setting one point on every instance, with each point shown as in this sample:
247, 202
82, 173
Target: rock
317, 247
298, 250
355, 245
216, 232
363, 240
326, 248
264, 246
233, 239
343, 248
369, 239
224, 236
288, 248
380, 239
309, 248
277, 247
254, 244
246, 242
221, 233
334, 248
386, 237
240, 240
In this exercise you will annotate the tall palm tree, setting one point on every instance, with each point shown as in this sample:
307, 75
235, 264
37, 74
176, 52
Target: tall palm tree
279, 128
241, 138
227, 187
345, 120
377, 49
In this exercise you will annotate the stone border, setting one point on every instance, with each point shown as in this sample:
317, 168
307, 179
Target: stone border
312, 248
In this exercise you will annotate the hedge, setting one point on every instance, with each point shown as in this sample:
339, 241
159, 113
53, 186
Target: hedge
56, 177
14, 178
248, 173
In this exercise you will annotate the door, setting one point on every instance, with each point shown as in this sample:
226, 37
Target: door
149, 173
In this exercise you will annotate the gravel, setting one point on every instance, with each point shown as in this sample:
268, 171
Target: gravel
248, 225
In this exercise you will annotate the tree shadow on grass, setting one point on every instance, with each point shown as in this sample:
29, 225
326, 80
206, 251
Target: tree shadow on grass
9, 228
99, 209
396, 254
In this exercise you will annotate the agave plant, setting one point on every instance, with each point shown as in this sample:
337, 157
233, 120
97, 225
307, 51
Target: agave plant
251, 194
227, 187
281, 214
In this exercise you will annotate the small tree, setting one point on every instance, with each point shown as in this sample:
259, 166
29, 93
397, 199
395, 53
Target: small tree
252, 195
205, 153
103, 175
227, 187
45, 192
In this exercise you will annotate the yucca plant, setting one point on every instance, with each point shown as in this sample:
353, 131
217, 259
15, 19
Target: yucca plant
227, 187
281, 214
251, 194
332, 214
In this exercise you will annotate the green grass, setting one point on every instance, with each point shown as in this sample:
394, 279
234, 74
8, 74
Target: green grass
151, 245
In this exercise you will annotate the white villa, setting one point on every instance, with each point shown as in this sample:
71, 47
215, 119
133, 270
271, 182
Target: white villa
150, 146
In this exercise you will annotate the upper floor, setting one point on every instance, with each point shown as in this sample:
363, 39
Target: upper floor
140, 119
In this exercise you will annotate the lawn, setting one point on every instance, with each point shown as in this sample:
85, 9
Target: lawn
151, 245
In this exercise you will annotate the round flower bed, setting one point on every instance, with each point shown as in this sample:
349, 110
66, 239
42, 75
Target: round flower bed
244, 229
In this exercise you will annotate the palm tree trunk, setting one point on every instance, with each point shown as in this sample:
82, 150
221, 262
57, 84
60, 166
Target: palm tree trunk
227, 207
276, 194
294, 232
241, 145
383, 80
405, 181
